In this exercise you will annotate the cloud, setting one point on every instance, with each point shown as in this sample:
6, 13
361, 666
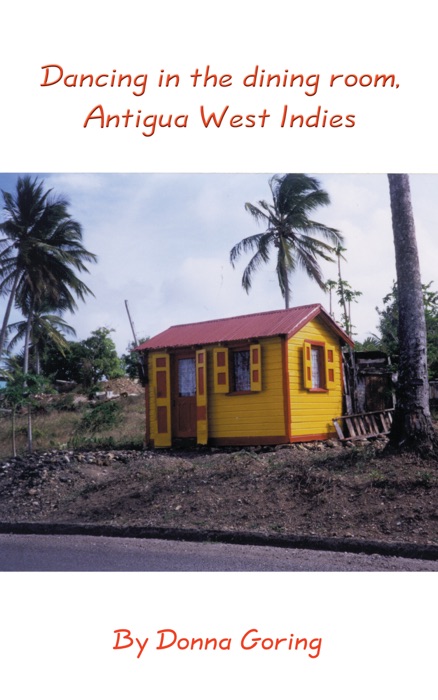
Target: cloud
163, 243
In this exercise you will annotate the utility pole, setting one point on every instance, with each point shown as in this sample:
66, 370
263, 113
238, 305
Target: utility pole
130, 321
141, 368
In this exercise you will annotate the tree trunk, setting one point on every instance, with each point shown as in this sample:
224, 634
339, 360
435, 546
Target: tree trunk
14, 447
29, 429
27, 340
26, 371
412, 427
8, 313
283, 272
287, 294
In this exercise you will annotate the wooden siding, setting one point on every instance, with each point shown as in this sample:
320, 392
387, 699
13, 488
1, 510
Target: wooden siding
259, 413
312, 411
234, 415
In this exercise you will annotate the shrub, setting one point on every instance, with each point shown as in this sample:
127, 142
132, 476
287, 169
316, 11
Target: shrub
102, 417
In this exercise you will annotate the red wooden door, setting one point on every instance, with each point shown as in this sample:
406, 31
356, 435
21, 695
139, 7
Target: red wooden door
184, 397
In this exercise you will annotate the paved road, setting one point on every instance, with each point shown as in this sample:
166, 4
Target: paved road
85, 553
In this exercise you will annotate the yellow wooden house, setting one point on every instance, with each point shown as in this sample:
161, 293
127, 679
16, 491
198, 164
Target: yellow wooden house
261, 379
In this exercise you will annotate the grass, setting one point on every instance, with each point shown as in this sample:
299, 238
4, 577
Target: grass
54, 427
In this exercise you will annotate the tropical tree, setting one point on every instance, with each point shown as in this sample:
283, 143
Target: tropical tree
86, 362
386, 338
133, 361
40, 253
99, 358
21, 390
412, 426
46, 329
345, 293
289, 231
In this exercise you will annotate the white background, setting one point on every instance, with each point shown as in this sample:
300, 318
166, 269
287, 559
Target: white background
378, 635
377, 629
42, 127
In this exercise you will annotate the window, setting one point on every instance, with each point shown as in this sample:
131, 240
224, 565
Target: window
237, 370
240, 371
187, 377
318, 366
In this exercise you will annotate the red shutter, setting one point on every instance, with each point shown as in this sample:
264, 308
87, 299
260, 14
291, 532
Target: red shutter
330, 356
255, 364
221, 380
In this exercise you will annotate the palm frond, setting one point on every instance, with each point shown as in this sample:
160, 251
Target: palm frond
257, 214
245, 245
41, 252
254, 264
298, 240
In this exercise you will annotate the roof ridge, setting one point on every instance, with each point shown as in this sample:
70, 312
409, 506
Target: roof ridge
279, 322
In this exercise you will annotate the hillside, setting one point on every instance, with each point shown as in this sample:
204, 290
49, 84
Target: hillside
315, 490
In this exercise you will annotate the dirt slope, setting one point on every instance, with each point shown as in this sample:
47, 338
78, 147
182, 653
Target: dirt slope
326, 491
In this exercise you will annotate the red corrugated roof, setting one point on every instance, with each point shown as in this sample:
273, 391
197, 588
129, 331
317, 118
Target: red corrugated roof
261, 325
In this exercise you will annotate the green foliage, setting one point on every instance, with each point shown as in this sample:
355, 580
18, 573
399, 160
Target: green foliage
40, 252
387, 340
92, 443
66, 402
104, 416
345, 293
131, 360
371, 342
45, 329
99, 358
289, 232
22, 389
346, 296
86, 362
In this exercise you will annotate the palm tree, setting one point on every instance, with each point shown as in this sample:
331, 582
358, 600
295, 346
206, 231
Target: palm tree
40, 253
289, 229
46, 328
412, 427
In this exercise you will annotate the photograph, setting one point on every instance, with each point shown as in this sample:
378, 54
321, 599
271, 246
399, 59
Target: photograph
200, 357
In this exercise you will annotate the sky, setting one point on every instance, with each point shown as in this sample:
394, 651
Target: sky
163, 243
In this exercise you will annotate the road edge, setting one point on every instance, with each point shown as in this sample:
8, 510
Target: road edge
354, 546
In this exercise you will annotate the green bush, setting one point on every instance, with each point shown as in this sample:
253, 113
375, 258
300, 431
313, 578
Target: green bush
102, 417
